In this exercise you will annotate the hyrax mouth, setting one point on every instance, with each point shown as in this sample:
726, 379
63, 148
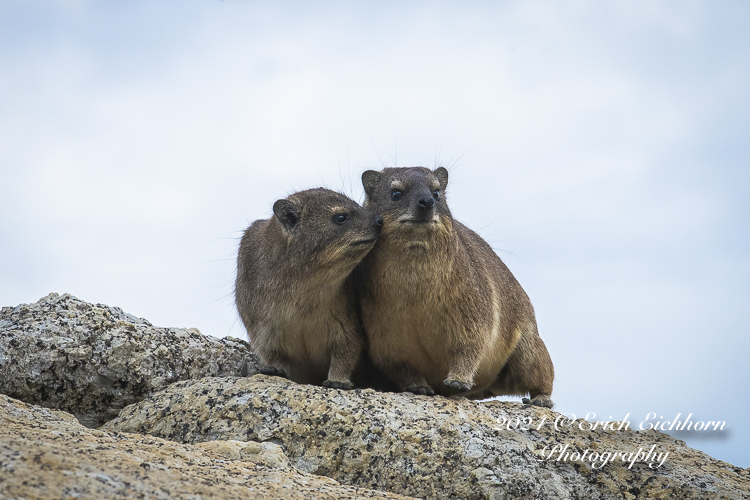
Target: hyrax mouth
418, 222
362, 243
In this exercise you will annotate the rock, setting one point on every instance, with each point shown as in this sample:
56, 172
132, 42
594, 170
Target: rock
49, 454
429, 447
93, 360
268, 454
260, 437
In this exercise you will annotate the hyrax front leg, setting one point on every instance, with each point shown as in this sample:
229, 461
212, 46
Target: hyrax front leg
461, 376
465, 363
345, 354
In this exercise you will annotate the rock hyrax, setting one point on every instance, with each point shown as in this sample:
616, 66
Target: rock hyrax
441, 311
294, 291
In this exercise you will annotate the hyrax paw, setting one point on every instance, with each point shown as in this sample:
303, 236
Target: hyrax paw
543, 401
457, 385
272, 370
336, 384
424, 390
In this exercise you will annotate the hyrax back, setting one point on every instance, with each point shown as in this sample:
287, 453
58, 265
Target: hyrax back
293, 288
441, 310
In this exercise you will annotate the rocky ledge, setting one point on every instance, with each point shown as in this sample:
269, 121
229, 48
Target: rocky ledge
429, 447
202, 428
92, 360
49, 454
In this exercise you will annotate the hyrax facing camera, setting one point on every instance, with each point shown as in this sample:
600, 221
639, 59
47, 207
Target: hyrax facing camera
441, 311
293, 289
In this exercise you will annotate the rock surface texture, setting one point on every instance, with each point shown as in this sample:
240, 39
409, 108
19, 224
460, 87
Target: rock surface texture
49, 454
230, 435
93, 360
428, 447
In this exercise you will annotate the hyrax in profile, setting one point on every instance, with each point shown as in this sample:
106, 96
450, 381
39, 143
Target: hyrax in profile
441, 311
294, 291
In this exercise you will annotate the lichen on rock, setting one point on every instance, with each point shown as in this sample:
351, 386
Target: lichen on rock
92, 360
49, 454
427, 447
214, 432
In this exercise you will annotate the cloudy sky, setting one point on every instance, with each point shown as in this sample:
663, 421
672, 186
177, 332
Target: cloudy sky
602, 149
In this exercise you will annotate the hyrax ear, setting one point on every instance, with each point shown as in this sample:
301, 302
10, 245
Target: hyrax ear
370, 180
442, 176
286, 211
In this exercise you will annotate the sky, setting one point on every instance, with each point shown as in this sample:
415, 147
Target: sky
601, 148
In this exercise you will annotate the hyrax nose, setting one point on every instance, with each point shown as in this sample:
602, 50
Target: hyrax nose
426, 202
379, 222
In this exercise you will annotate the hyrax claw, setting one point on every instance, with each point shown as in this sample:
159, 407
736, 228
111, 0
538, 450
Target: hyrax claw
424, 390
336, 384
272, 370
458, 385
542, 401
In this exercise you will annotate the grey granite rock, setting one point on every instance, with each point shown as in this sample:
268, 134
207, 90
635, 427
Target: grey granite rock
249, 437
429, 447
92, 360
48, 454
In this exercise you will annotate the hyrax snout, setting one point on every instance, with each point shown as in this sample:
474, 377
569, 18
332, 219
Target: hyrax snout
441, 311
294, 291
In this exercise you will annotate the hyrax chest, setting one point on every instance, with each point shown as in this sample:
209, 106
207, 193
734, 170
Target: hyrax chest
307, 327
409, 310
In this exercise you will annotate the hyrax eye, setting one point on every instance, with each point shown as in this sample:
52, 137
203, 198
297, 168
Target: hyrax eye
340, 218
396, 195
436, 194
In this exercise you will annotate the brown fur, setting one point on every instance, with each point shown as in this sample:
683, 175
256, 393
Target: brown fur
441, 310
293, 288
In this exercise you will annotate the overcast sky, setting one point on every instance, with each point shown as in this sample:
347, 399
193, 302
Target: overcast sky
603, 149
